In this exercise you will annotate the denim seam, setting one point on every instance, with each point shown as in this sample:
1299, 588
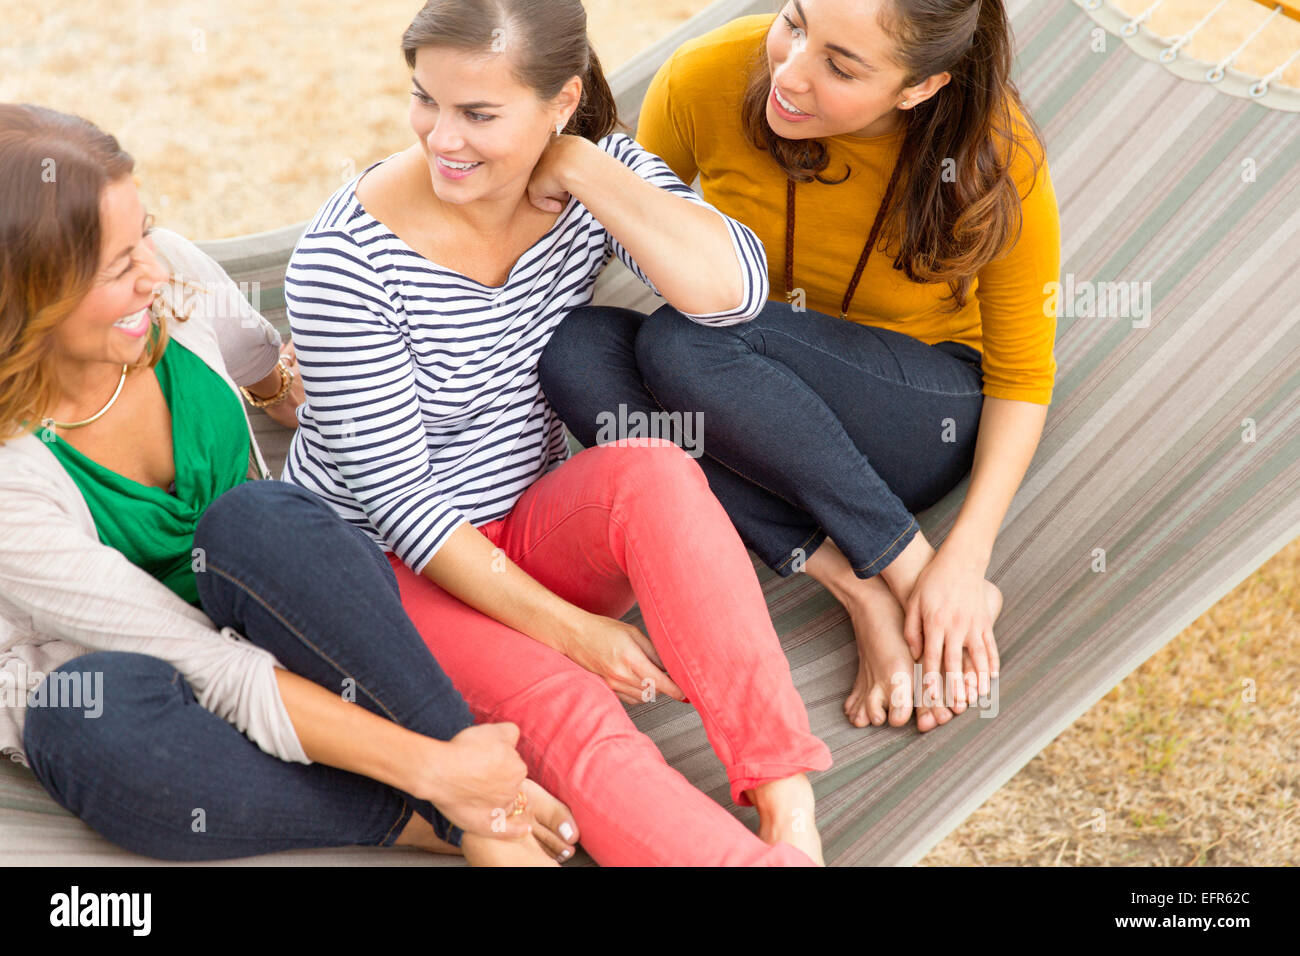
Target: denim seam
299, 635
859, 370
796, 548
867, 567
403, 815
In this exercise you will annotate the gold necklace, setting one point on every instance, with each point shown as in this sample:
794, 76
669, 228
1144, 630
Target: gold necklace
98, 415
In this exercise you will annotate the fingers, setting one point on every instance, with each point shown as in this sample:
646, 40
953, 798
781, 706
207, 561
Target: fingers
932, 659
991, 645
978, 648
650, 680
913, 633
954, 687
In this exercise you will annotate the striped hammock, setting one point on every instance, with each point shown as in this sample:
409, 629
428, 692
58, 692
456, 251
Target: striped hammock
1168, 471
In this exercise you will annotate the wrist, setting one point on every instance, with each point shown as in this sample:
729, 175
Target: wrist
576, 163
424, 763
967, 548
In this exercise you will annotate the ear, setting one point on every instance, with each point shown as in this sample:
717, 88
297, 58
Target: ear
568, 100
922, 91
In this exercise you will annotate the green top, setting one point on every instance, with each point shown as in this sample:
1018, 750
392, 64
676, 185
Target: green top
153, 528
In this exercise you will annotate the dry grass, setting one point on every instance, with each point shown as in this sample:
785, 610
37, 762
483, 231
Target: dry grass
1180, 767
244, 115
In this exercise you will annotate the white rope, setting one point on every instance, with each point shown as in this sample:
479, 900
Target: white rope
1171, 52
1130, 28
1216, 73
1261, 87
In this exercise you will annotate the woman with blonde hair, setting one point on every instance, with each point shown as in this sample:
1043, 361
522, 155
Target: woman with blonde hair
171, 626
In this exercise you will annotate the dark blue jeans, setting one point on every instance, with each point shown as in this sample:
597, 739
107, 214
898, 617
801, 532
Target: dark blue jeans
160, 775
811, 426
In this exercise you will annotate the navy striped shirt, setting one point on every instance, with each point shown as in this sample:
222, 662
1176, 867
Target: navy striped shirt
424, 408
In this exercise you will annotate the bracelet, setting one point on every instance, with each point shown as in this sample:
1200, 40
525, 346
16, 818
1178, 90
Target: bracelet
286, 383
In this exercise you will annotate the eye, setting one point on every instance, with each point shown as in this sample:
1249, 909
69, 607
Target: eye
836, 70
479, 117
422, 98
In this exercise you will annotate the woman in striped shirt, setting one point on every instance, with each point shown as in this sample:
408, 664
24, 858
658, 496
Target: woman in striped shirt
420, 299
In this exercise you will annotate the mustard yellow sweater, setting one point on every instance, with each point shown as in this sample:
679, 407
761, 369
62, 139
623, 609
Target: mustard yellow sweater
692, 118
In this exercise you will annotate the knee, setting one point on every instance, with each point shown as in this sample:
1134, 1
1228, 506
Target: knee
256, 515
672, 351
87, 705
654, 468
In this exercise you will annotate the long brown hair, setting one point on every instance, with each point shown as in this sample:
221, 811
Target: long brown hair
547, 43
947, 226
54, 168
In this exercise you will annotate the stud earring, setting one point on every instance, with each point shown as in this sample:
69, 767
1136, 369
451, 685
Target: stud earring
559, 127
907, 102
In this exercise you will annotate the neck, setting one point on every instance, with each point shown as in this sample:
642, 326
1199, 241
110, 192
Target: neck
484, 217
83, 388
891, 122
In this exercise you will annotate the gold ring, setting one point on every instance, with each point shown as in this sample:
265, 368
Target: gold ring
521, 804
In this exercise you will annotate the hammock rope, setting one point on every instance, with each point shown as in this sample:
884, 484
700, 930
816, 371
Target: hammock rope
1267, 90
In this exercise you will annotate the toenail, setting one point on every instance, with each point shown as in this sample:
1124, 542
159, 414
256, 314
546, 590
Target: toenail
566, 831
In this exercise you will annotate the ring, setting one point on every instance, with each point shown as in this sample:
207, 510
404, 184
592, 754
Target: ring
521, 804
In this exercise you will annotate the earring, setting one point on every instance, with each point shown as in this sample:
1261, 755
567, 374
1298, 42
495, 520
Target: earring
907, 102
559, 127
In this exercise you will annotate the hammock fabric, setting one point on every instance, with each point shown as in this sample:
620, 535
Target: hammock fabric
1173, 444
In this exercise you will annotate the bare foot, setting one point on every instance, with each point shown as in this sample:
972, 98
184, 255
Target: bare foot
883, 688
553, 824
486, 851
787, 814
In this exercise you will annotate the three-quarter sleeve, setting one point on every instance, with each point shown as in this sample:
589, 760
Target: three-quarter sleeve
359, 377
1018, 323
74, 588
748, 248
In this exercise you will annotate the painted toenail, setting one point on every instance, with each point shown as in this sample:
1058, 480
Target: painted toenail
566, 831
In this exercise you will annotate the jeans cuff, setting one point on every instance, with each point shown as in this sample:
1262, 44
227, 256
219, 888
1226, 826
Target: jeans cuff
785, 564
896, 547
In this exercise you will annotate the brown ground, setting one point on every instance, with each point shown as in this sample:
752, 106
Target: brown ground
245, 114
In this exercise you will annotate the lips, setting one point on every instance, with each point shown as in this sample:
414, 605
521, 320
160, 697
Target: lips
455, 169
135, 324
787, 110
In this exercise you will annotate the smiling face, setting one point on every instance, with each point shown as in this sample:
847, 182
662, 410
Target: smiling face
481, 131
110, 323
833, 72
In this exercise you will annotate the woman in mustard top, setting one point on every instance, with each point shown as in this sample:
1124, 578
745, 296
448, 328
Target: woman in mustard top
879, 150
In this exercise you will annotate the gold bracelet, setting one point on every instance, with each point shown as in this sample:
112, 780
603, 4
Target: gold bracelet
286, 383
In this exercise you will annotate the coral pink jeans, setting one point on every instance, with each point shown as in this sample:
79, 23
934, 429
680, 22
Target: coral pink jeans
612, 526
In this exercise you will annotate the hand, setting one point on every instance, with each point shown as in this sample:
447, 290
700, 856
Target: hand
623, 656
475, 782
947, 613
548, 189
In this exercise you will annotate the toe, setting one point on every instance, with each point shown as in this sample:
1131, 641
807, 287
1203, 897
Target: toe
876, 705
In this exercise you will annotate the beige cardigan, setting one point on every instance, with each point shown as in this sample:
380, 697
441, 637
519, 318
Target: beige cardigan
64, 594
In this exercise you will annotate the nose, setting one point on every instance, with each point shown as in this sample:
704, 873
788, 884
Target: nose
445, 137
791, 73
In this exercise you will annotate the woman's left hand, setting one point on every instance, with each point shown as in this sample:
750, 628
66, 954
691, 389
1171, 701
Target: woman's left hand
948, 613
548, 189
